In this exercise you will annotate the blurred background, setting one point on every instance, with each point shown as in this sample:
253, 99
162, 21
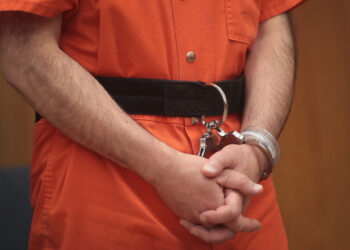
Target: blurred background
313, 177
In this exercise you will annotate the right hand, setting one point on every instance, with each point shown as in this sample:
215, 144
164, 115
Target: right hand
236, 168
184, 188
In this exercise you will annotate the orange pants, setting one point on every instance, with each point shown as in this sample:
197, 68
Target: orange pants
83, 201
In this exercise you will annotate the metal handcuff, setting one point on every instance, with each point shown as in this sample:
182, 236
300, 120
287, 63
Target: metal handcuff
256, 136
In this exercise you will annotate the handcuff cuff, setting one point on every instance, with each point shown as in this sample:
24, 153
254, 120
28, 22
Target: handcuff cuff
252, 135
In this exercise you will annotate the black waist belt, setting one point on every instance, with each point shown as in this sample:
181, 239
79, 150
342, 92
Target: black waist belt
172, 97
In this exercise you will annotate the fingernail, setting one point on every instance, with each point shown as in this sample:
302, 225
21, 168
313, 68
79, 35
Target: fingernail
209, 168
258, 187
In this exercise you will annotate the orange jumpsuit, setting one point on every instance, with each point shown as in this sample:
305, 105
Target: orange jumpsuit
83, 201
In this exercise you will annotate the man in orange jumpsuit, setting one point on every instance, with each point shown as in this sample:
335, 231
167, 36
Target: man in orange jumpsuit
102, 179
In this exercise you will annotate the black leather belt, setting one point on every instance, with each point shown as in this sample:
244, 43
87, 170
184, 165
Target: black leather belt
172, 97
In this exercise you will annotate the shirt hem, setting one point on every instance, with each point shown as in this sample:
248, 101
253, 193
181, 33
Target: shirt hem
28, 7
278, 9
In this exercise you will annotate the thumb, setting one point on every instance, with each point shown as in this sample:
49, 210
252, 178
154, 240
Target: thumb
224, 158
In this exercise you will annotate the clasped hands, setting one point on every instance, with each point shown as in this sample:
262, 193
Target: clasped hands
211, 195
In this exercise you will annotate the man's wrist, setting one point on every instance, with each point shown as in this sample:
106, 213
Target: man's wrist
256, 168
262, 140
158, 162
266, 142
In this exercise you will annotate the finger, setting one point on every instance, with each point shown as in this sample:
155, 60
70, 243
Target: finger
235, 180
212, 235
185, 223
244, 224
226, 213
224, 158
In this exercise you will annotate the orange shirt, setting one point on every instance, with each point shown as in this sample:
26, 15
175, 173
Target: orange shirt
83, 201
150, 39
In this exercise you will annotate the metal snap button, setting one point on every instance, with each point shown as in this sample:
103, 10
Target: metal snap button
190, 56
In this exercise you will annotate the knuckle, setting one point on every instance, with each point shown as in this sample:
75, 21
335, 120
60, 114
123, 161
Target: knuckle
232, 176
224, 179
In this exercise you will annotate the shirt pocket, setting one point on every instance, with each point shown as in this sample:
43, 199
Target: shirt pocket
242, 19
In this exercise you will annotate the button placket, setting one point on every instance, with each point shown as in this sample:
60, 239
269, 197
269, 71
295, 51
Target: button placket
194, 39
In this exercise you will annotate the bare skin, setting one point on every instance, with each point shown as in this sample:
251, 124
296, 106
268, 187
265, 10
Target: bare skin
48, 78
269, 75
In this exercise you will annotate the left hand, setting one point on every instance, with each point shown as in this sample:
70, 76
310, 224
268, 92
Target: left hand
232, 167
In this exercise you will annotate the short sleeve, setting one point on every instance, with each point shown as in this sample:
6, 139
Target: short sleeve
45, 8
271, 8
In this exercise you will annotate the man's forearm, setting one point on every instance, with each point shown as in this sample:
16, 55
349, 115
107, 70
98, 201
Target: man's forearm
73, 101
270, 76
